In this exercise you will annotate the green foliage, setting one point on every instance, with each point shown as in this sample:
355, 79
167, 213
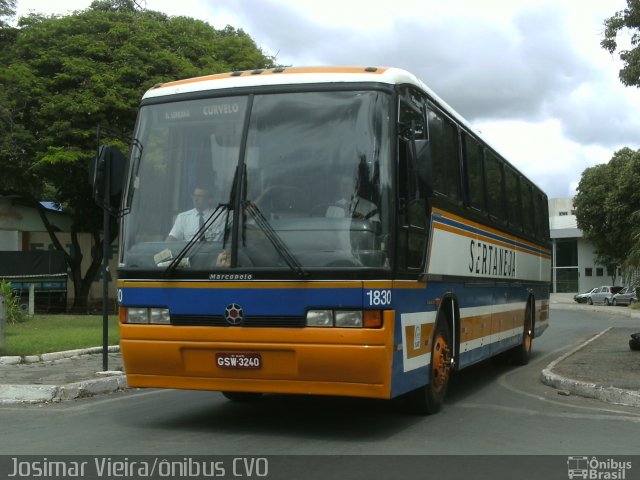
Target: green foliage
627, 20
11, 300
7, 9
607, 206
61, 77
64, 76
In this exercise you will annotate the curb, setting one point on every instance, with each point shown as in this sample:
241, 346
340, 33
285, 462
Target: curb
16, 394
613, 395
48, 357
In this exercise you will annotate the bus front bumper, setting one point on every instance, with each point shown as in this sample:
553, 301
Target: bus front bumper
319, 361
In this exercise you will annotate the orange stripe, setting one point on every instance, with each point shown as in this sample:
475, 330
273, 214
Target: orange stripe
473, 328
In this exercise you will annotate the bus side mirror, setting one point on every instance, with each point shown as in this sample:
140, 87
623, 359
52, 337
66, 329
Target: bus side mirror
106, 174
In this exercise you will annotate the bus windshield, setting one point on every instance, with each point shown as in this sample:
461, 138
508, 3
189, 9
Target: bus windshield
285, 181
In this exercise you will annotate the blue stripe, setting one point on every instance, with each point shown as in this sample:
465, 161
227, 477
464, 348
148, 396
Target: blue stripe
254, 301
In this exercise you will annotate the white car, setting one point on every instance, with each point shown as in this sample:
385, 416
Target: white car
583, 297
626, 296
603, 295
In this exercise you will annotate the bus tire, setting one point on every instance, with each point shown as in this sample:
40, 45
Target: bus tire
520, 355
429, 398
242, 396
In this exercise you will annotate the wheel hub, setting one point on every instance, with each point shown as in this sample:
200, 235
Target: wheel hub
440, 364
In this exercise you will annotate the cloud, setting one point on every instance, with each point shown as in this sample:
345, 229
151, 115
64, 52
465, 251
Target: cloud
485, 69
525, 75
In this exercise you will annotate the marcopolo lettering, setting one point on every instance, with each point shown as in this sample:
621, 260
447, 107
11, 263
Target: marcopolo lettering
491, 260
230, 276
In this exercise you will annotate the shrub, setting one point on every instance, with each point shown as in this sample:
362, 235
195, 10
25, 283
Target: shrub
11, 300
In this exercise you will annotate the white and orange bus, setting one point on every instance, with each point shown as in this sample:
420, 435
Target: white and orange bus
368, 243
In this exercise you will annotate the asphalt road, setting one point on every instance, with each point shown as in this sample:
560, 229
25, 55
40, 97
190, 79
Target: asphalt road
491, 409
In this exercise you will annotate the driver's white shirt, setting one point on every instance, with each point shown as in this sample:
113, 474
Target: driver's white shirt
187, 225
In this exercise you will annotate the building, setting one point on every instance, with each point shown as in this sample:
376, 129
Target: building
22, 230
573, 266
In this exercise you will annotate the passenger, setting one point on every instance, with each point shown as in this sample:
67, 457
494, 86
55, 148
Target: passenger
351, 205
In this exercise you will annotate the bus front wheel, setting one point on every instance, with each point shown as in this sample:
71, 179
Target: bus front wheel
429, 398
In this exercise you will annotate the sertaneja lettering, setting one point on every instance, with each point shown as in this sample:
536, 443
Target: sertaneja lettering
491, 260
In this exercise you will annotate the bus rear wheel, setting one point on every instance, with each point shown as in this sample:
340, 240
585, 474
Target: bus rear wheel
520, 354
429, 398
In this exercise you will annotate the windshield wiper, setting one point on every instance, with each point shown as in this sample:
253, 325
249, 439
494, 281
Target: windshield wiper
210, 220
293, 263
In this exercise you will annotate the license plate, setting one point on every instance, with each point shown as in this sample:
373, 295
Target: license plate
240, 360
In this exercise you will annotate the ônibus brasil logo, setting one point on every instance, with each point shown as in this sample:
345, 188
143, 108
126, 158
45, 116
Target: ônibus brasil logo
595, 468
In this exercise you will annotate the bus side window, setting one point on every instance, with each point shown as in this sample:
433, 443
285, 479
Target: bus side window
473, 155
444, 156
413, 190
494, 175
541, 216
512, 185
527, 206
412, 228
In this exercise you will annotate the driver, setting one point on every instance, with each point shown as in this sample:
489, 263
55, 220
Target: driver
188, 223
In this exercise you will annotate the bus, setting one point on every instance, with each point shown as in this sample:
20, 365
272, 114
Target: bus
358, 238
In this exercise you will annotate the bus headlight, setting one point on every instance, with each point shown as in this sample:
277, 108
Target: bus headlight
348, 318
320, 318
344, 318
153, 315
137, 315
159, 315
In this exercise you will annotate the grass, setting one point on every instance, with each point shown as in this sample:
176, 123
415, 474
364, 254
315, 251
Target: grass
54, 333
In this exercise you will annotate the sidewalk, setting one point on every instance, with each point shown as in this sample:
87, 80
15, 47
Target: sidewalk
603, 367
53, 377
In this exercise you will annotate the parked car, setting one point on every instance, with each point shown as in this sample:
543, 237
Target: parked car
626, 296
582, 297
603, 295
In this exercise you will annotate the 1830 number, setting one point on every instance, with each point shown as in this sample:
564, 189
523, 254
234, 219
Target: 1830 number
378, 297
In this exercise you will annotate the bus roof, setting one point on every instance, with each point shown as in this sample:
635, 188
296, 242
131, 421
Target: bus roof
287, 76
297, 76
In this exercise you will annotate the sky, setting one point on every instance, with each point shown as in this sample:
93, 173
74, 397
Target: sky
529, 75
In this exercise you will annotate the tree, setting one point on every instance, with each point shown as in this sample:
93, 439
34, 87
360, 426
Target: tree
607, 203
64, 76
7, 9
627, 19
